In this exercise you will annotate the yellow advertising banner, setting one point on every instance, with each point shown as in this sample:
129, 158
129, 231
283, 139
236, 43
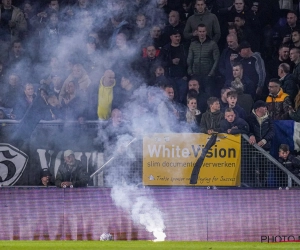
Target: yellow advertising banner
168, 160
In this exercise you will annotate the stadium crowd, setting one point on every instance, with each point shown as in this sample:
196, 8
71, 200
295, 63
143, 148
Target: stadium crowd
209, 66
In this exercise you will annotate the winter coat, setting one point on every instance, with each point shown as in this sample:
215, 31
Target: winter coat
203, 58
261, 130
241, 124
173, 70
289, 86
208, 19
278, 106
211, 120
77, 174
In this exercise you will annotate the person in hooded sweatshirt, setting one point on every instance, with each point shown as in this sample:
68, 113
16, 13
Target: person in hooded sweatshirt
202, 16
253, 68
211, 119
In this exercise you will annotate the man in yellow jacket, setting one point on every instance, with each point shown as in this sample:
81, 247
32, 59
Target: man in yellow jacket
278, 102
105, 95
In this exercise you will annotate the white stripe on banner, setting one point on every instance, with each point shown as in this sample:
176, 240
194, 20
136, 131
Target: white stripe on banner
296, 136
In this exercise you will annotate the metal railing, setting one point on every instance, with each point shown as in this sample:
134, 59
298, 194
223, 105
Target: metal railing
258, 168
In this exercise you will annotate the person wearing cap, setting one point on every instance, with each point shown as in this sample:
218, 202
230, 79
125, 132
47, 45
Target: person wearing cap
278, 102
254, 67
261, 129
71, 173
46, 177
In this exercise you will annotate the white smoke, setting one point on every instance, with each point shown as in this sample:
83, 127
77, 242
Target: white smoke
141, 207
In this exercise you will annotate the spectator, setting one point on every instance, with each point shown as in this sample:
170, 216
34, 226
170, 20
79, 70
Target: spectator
283, 56
295, 58
90, 58
72, 106
295, 39
238, 8
71, 173
244, 32
288, 81
146, 65
50, 36
46, 178
294, 114
227, 57
13, 22
11, 91
156, 37
193, 115
204, 17
187, 11
174, 25
55, 86
53, 68
261, 130
140, 30
108, 136
278, 102
238, 74
289, 161
174, 57
81, 80
232, 124
211, 119
24, 102
106, 94
197, 92
19, 61
124, 93
254, 67
243, 100
292, 24
203, 59
231, 103
223, 101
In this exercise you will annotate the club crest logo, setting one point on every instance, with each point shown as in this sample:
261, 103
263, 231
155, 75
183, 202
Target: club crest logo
12, 164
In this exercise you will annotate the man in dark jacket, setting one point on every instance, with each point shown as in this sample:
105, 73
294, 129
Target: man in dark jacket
174, 57
260, 126
288, 81
227, 57
71, 173
196, 91
210, 121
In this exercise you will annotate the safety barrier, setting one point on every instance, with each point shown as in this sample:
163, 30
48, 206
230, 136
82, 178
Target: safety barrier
258, 168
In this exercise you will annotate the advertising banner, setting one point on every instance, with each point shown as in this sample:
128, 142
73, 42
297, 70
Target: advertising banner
168, 160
